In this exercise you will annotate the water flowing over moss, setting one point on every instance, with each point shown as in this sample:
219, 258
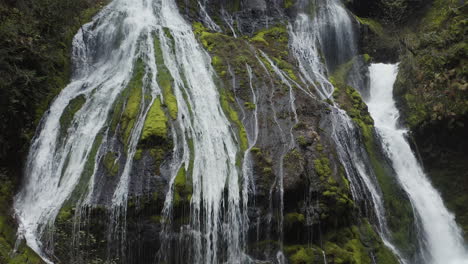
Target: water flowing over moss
132, 106
69, 112
165, 80
182, 188
155, 123
111, 163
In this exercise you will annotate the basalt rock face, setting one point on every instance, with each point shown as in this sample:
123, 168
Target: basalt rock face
301, 206
301, 202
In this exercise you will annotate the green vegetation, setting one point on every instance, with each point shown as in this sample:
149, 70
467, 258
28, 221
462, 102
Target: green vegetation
431, 91
351, 244
226, 101
278, 33
432, 81
291, 219
111, 163
132, 106
322, 167
375, 26
182, 188
288, 3
69, 113
82, 187
165, 81
35, 44
155, 123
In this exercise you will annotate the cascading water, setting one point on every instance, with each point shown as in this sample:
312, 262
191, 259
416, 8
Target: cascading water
126, 34
331, 30
132, 43
442, 237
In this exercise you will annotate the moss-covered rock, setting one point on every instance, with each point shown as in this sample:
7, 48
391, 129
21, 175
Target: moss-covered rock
165, 80
182, 188
111, 163
156, 122
132, 106
69, 113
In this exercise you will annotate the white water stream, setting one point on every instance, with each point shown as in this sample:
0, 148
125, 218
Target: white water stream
120, 35
442, 235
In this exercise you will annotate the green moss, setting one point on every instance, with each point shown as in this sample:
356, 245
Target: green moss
155, 123
367, 58
69, 112
88, 171
339, 76
288, 3
277, 33
216, 61
355, 244
132, 106
66, 213
322, 167
303, 256
234, 118
182, 188
111, 163
165, 81
431, 83
396, 203
250, 106
399, 212
256, 150
291, 219
138, 154
302, 141
375, 26
319, 147
438, 14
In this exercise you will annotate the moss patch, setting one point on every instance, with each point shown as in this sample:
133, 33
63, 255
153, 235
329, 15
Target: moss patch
375, 26
182, 188
155, 123
133, 104
69, 112
111, 163
165, 81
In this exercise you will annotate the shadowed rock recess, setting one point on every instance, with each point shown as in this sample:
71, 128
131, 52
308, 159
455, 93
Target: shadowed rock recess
235, 131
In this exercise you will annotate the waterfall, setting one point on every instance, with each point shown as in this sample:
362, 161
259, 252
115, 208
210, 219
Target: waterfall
331, 30
442, 237
133, 43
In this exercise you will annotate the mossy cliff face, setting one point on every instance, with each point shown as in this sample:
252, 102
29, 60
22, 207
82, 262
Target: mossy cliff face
319, 217
302, 202
431, 92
